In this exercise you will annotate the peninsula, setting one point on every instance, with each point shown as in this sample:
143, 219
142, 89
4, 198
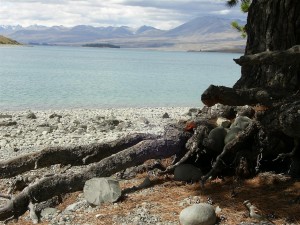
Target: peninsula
7, 41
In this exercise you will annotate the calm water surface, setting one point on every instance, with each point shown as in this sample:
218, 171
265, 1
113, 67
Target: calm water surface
43, 77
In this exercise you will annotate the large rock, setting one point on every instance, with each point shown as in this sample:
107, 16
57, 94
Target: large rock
216, 139
100, 190
232, 134
166, 116
30, 115
198, 214
223, 122
219, 110
246, 111
241, 122
187, 172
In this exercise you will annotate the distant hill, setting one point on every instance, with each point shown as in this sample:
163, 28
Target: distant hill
7, 41
202, 33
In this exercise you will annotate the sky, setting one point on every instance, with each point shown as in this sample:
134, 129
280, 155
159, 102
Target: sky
162, 14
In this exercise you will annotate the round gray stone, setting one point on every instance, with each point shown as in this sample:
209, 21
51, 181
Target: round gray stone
187, 172
241, 122
198, 214
216, 137
100, 190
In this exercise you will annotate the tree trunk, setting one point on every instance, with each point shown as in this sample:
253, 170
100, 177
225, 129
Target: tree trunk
272, 26
270, 77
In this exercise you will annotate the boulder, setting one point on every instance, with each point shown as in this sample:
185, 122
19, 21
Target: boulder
187, 172
231, 134
30, 115
198, 214
100, 190
241, 122
216, 139
246, 111
219, 110
223, 122
165, 116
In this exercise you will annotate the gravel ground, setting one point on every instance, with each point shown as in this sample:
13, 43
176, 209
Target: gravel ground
25, 131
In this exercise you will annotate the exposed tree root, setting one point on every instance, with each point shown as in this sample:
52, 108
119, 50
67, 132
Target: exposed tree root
287, 57
289, 154
231, 148
193, 145
76, 155
240, 97
171, 143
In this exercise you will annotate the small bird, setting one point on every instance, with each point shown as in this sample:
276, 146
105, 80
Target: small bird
255, 213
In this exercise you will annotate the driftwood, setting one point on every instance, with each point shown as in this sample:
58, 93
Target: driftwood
76, 155
287, 57
171, 143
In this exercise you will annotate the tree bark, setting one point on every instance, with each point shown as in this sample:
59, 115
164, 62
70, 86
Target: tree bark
287, 57
270, 75
239, 97
272, 26
76, 155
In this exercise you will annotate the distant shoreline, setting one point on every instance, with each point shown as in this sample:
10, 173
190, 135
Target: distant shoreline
100, 45
221, 51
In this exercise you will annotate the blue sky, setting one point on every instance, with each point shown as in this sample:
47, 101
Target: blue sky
162, 14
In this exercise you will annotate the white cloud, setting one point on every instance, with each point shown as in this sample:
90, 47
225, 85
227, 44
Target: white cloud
161, 14
222, 12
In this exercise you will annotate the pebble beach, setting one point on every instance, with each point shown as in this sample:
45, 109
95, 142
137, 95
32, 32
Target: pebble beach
27, 131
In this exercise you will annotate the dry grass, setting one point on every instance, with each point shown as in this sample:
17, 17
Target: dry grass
271, 194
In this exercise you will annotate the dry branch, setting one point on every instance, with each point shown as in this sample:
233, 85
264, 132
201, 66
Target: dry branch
287, 57
172, 142
76, 155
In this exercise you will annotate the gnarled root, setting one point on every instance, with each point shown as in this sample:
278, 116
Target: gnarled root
193, 146
232, 147
172, 142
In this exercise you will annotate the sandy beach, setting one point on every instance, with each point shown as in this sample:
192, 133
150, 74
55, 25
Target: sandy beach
27, 131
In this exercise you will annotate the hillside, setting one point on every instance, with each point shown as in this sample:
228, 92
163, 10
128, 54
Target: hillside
199, 34
7, 41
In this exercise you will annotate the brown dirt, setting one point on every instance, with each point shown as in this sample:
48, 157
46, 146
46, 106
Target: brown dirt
273, 194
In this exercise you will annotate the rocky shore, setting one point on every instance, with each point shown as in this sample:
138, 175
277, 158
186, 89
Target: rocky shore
146, 197
27, 131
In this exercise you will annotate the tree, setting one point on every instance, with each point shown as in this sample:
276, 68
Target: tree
270, 74
270, 77
245, 4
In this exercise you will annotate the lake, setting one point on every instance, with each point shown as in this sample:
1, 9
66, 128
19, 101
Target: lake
52, 77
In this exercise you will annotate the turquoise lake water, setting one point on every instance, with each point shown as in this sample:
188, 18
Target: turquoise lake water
42, 77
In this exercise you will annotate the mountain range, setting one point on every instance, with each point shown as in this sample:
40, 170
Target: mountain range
202, 33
